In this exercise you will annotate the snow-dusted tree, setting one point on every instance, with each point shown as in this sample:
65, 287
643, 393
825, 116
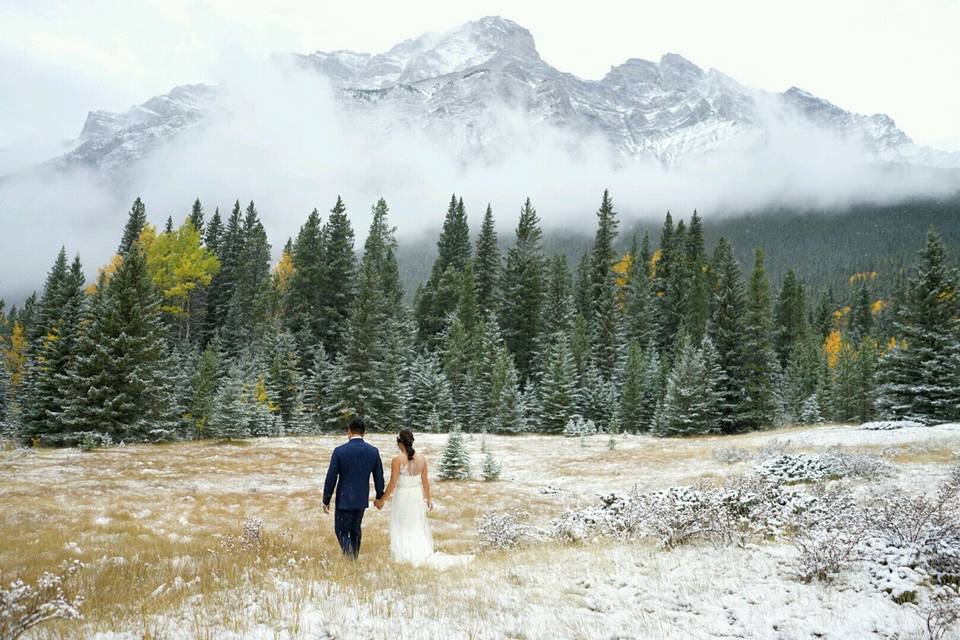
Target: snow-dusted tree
282, 373
53, 352
921, 374
557, 389
727, 331
205, 381
631, 394
578, 427
491, 466
690, 404
487, 265
429, 393
136, 221
119, 380
758, 406
454, 462
522, 289
800, 377
810, 411
232, 407
509, 403
598, 398
393, 372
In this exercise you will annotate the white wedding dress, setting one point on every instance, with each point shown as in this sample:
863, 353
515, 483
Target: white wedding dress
410, 539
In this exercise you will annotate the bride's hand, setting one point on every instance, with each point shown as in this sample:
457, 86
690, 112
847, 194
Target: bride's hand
430, 505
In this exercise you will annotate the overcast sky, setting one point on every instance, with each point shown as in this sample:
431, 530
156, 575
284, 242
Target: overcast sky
60, 59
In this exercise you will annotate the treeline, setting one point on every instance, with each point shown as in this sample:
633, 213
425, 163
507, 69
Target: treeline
189, 333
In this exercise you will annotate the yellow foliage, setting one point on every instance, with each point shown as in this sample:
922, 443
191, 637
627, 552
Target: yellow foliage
878, 306
831, 346
178, 263
863, 276
15, 356
283, 271
106, 271
654, 259
621, 268
891, 343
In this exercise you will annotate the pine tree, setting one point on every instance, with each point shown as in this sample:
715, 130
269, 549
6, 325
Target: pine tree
136, 221
558, 390
247, 307
631, 394
119, 380
522, 291
861, 315
302, 302
728, 333
453, 251
487, 263
690, 404
206, 381
232, 410
921, 374
491, 467
558, 302
229, 247
455, 460
605, 306
196, 216
790, 317
53, 353
429, 393
800, 377
336, 290
758, 406
213, 234
283, 379
639, 305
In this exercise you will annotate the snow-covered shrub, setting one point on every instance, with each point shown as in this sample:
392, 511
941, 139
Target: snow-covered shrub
251, 536
940, 613
504, 529
856, 464
810, 411
797, 467
679, 515
615, 515
90, 440
889, 425
829, 534
24, 606
731, 455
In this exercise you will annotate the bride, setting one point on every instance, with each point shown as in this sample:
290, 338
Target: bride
410, 538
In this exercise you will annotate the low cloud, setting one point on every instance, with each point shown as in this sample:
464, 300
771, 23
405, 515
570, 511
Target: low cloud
282, 139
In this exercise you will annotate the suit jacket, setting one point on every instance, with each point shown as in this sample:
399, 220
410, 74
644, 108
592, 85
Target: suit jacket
351, 466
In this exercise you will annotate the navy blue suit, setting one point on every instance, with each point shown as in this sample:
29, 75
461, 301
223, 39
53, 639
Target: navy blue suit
351, 466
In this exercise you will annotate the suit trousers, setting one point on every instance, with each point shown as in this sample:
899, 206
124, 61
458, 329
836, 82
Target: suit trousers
346, 524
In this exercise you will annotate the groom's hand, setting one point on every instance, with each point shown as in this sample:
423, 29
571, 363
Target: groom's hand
326, 508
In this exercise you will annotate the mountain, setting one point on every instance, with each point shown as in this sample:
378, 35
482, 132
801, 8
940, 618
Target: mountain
452, 86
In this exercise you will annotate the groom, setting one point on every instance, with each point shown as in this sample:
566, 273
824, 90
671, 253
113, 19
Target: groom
350, 468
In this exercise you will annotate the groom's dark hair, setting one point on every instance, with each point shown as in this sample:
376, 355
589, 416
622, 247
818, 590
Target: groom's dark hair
358, 426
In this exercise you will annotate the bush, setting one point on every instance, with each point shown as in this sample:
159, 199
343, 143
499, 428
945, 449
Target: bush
24, 606
504, 530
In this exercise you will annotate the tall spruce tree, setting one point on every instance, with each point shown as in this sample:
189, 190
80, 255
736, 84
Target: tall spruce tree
605, 308
639, 305
136, 221
790, 317
522, 291
921, 375
196, 216
487, 263
52, 354
302, 302
453, 251
758, 407
691, 401
728, 332
224, 283
337, 281
247, 309
558, 389
119, 380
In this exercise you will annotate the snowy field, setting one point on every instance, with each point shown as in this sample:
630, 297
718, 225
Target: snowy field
160, 531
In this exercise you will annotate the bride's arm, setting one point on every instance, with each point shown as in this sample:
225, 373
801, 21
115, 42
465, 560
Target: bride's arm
425, 480
394, 478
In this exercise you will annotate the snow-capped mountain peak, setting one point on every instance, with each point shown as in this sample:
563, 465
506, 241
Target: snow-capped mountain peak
445, 84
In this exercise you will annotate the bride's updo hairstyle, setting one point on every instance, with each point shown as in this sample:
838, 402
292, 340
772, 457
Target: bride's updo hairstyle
405, 438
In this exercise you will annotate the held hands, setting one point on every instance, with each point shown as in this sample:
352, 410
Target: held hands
378, 503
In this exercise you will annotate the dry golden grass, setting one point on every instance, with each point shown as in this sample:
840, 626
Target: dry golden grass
149, 523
